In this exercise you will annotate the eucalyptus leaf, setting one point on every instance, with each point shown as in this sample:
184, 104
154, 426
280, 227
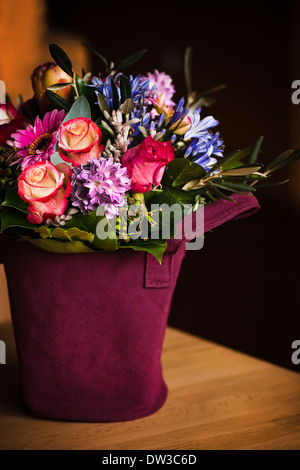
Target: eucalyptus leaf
80, 108
61, 58
56, 159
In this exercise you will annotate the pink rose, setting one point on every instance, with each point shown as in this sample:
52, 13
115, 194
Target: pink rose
46, 188
146, 163
79, 141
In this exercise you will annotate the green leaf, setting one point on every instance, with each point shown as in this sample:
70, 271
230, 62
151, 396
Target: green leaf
188, 70
110, 243
230, 160
241, 171
106, 135
71, 234
80, 108
125, 88
89, 93
170, 195
130, 60
216, 194
167, 220
282, 160
128, 106
58, 86
104, 60
232, 186
188, 173
80, 85
102, 103
55, 246
12, 199
271, 185
255, 150
88, 223
180, 171
61, 58
86, 77
58, 101
83, 222
115, 95
13, 218
155, 249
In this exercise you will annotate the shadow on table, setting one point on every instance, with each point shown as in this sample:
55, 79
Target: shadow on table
9, 378
242, 289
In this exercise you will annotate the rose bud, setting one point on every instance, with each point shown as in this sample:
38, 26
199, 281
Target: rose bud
146, 163
46, 188
79, 141
46, 75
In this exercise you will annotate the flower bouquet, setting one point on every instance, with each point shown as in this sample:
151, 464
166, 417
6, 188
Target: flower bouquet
90, 166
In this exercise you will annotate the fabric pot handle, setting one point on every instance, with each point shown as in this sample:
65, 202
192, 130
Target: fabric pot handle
215, 214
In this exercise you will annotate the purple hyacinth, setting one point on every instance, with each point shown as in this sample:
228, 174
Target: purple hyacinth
99, 183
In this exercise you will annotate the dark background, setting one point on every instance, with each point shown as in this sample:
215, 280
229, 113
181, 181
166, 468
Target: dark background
241, 289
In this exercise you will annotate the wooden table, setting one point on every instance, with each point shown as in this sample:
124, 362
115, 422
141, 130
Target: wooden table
218, 399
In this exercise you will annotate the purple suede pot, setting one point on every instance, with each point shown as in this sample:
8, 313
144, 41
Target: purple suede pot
90, 327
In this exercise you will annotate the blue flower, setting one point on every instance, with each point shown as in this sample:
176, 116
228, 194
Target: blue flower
104, 88
144, 118
199, 126
201, 150
139, 87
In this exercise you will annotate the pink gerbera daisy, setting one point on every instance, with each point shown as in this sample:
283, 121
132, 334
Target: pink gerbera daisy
36, 143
